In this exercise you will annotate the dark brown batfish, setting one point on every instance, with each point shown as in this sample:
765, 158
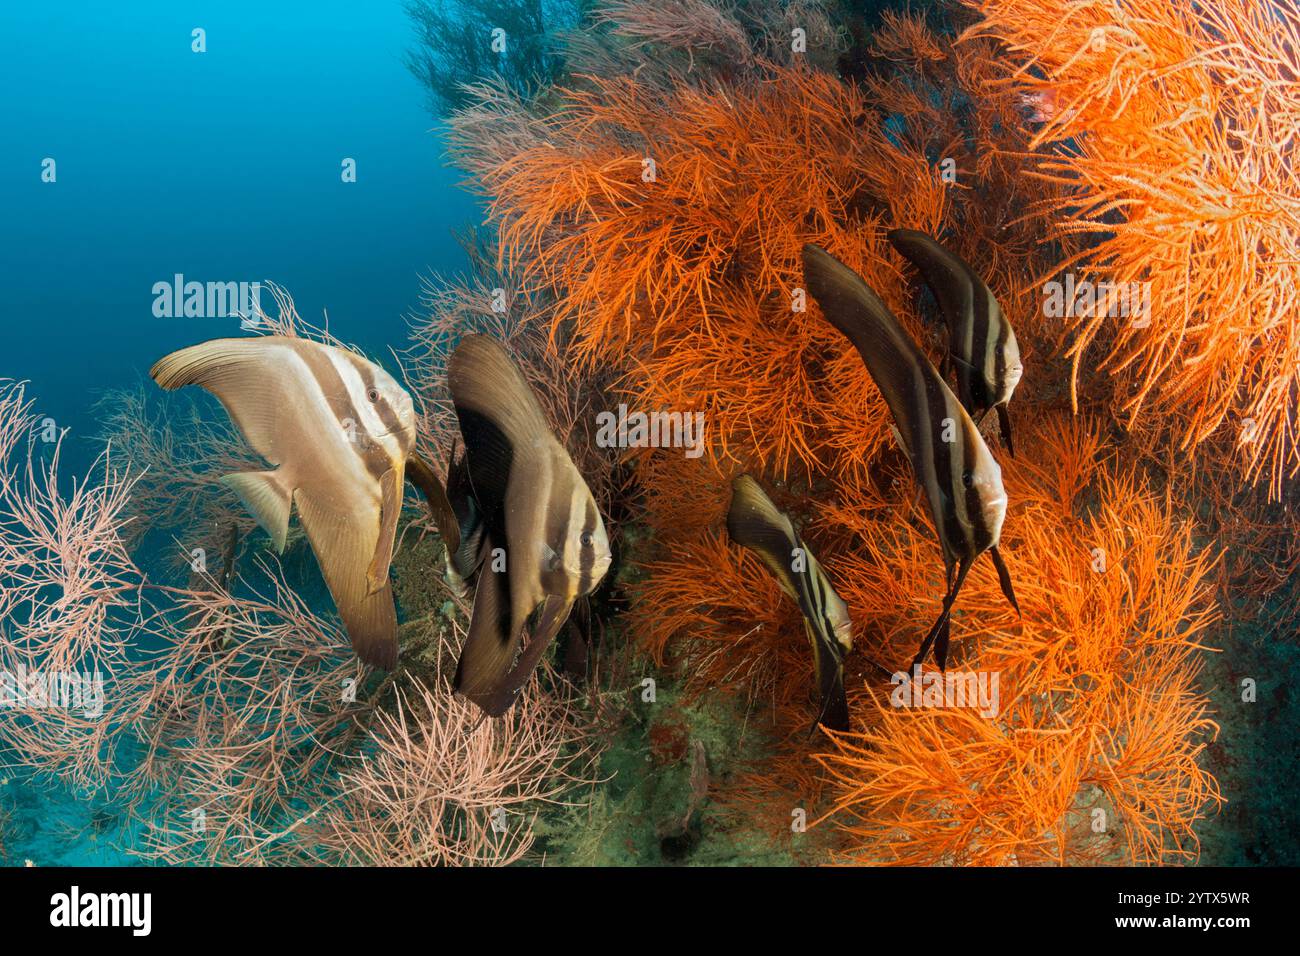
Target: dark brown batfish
981, 343
544, 544
961, 481
755, 523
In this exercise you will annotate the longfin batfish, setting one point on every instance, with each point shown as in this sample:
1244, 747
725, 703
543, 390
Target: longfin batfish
544, 544
962, 482
338, 430
754, 523
981, 343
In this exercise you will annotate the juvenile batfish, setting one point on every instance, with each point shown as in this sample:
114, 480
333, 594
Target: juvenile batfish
338, 430
754, 523
981, 343
961, 481
544, 543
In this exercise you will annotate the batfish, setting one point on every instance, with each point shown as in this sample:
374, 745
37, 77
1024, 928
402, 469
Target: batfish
754, 523
544, 544
981, 343
337, 429
951, 462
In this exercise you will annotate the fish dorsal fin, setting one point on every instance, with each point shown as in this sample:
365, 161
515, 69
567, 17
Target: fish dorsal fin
253, 378
907, 380
502, 424
949, 277
754, 522
345, 541
267, 498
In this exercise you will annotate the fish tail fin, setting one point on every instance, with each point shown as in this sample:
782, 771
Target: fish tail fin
265, 494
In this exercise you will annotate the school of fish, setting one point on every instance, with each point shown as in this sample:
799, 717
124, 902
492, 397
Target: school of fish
518, 521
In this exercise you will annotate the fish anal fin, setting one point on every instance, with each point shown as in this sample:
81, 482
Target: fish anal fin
344, 540
553, 612
268, 498
941, 643
493, 639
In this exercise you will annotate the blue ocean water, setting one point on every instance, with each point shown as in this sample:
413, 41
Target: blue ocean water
225, 165
221, 166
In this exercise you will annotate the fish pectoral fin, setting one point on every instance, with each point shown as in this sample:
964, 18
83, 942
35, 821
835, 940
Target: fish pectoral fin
268, 498
390, 490
958, 360
344, 540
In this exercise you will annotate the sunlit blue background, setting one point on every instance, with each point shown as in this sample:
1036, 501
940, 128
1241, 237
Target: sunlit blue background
223, 166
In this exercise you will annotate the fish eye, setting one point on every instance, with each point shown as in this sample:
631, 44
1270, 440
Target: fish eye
586, 539
372, 394
968, 478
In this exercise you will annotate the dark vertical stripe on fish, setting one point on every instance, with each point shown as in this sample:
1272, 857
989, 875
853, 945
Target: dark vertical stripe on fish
340, 400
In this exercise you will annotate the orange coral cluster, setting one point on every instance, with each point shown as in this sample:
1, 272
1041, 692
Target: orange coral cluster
1172, 125
666, 219
1097, 709
657, 216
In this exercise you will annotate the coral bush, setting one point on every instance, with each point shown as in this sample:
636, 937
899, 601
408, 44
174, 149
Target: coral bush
237, 726
623, 204
1172, 127
69, 594
655, 211
1099, 708
455, 44
440, 785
